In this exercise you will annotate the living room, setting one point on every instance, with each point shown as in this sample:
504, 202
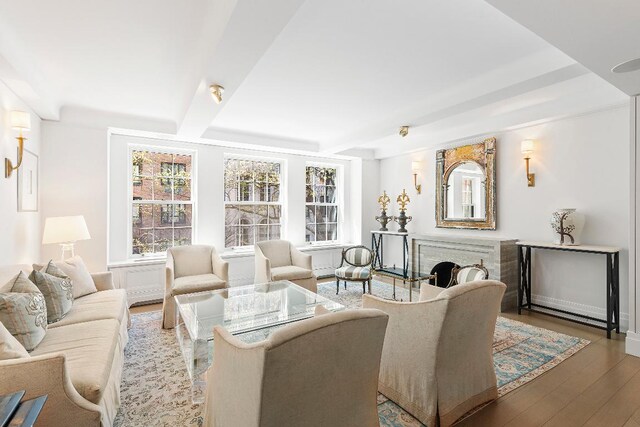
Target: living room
445, 192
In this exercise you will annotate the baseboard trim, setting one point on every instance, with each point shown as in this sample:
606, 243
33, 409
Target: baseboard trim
587, 310
632, 344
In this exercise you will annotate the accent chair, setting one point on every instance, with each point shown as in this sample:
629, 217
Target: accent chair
437, 360
469, 273
358, 268
194, 268
317, 372
280, 260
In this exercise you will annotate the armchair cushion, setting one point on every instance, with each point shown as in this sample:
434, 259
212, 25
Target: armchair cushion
89, 349
198, 283
110, 304
351, 272
277, 251
290, 272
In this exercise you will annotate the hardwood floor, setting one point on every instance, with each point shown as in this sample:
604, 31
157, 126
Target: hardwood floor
598, 386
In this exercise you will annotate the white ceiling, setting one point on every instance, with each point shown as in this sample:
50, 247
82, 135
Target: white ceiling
338, 75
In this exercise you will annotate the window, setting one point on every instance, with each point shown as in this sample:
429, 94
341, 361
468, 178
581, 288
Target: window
161, 205
321, 204
252, 201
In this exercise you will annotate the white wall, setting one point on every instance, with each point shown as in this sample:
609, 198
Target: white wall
210, 193
579, 162
20, 235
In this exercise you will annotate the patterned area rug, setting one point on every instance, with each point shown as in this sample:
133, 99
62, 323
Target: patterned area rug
156, 387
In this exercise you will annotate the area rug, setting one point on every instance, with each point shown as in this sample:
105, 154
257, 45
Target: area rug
156, 391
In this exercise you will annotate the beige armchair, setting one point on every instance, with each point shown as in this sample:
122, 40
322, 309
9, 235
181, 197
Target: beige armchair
190, 269
316, 372
437, 361
280, 260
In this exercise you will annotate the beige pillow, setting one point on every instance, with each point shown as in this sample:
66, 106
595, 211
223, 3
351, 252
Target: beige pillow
10, 348
57, 292
74, 268
23, 312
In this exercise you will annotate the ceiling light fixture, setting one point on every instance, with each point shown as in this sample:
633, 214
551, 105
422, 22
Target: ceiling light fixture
216, 92
627, 66
404, 131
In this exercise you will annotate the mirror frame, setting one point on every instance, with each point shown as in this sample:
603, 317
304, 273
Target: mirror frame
483, 154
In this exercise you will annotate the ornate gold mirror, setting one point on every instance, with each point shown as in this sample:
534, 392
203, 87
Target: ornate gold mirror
466, 186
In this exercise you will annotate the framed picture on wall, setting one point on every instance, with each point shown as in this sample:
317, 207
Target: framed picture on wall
28, 183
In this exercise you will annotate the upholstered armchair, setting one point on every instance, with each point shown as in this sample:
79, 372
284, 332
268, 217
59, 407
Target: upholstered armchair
280, 260
190, 269
358, 261
296, 377
437, 360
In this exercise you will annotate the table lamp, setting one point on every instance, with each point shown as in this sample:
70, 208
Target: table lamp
65, 230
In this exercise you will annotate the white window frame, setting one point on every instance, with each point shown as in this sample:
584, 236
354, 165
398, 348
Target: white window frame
339, 202
282, 203
130, 202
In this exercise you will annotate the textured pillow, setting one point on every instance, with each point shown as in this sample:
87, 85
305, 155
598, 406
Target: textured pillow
23, 312
75, 269
57, 292
10, 348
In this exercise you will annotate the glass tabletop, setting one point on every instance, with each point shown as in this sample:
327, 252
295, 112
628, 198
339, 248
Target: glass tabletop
248, 308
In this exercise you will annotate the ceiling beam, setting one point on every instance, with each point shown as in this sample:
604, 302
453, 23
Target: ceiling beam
244, 32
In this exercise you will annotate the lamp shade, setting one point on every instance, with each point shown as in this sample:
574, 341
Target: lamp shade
65, 229
527, 146
415, 166
20, 120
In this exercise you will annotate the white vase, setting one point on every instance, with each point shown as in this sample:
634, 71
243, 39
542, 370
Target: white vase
567, 225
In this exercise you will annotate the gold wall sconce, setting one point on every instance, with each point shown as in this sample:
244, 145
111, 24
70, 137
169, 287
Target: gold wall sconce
216, 92
21, 122
415, 167
404, 131
527, 147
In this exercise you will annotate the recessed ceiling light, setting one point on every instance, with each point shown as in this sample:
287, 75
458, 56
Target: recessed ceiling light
627, 66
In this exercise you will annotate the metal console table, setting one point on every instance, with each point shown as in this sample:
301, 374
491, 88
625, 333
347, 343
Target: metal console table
612, 255
377, 244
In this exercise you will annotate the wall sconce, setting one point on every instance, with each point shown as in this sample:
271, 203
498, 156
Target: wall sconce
415, 166
20, 121
527, 147
216, 92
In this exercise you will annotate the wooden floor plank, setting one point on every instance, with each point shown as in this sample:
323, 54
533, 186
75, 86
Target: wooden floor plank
621, 407
578, 412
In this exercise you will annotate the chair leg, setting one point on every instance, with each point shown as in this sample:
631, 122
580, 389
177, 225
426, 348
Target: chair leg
345, 285
369, 286
363, 288
337, 286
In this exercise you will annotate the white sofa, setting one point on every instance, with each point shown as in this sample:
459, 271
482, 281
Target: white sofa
79, 362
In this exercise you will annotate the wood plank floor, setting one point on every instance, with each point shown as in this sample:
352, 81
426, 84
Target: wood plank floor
598, 386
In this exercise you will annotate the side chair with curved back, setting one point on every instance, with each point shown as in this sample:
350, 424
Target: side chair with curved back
358, 268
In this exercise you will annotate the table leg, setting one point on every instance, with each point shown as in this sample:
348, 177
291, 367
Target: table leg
520, 276
394, 288
529, 277
616, 278
610, 292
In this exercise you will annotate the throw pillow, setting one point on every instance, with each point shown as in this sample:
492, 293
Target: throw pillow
57, 292
75, 269
23, 312
10, 348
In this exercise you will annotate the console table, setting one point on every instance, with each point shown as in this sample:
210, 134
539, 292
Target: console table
377, 244
612, 256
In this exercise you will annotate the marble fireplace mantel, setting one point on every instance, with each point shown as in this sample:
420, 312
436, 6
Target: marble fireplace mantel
499, 255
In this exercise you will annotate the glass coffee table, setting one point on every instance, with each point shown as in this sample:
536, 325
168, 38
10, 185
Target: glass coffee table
249, 312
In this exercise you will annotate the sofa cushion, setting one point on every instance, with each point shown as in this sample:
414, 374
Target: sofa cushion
77, 271
109, 304
90, 350
198, 283
57, 292
290, 272
23, 311
10, 348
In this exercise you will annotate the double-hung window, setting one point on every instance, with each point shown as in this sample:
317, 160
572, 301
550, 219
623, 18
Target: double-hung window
252, 201
161, 203
322, 204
